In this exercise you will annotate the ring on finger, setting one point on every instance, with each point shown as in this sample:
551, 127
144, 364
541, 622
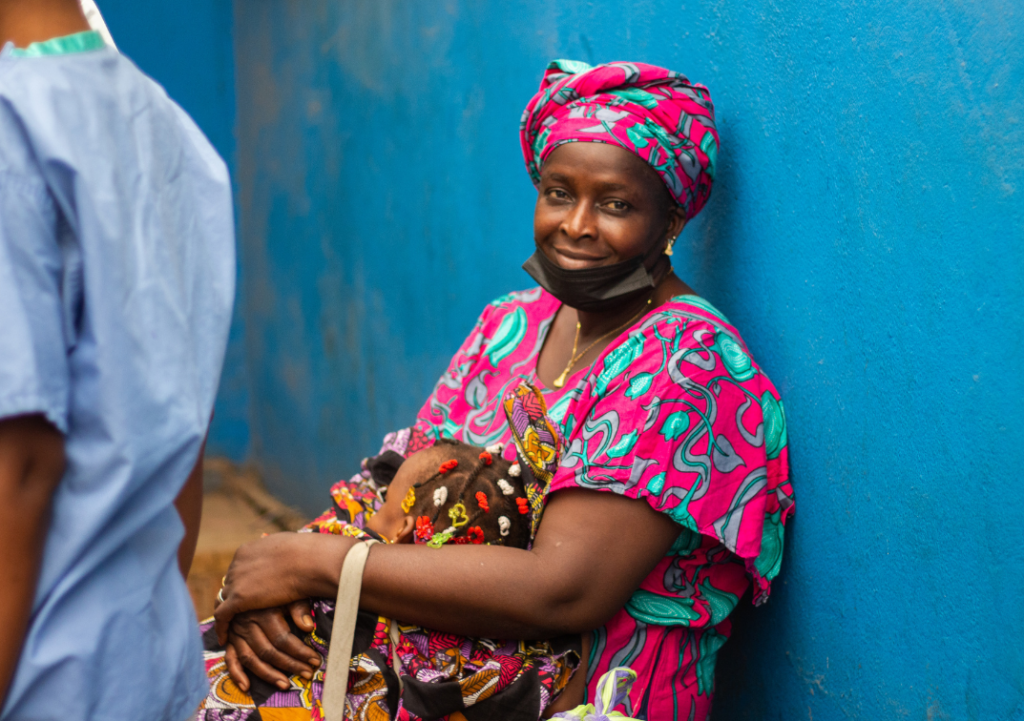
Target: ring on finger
220, 594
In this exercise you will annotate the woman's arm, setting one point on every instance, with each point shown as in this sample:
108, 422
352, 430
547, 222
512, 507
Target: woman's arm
592, 551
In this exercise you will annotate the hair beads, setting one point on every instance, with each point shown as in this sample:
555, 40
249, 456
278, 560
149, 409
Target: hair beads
409, 501
439, 539
458, 515
466, 487
440, 495
524, 505
473, 535
424, 529
514, 470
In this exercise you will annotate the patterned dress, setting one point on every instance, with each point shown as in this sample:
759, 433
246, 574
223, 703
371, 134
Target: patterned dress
675, 412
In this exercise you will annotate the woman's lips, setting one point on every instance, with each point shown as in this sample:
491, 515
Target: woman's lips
574, 260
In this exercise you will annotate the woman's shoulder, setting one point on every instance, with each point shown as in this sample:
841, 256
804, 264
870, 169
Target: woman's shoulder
692, 313
683, 340
531, 300
510, 315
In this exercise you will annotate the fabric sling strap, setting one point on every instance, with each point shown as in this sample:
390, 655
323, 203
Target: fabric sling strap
339, 653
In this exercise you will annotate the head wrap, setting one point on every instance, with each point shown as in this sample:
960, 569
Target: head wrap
653, 112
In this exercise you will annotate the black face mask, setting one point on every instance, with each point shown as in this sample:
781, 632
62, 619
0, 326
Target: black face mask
594, 290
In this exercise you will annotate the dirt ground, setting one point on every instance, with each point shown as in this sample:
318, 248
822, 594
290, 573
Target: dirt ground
236, 509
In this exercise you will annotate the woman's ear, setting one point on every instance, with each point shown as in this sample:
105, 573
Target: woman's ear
676, 222
406, 530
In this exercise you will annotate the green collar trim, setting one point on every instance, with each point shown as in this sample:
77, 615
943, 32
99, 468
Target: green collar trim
64, 45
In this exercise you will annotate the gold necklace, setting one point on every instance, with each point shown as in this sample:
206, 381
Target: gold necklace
560, 380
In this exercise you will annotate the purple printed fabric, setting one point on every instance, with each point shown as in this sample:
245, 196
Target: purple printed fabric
655, 113
674, 412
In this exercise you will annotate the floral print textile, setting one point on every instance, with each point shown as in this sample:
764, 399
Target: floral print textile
655, 113
674, 412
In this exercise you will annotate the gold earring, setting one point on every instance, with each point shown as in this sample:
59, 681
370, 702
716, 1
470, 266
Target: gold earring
668, 248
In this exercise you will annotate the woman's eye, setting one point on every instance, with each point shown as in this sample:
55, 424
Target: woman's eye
558, 194
617, 205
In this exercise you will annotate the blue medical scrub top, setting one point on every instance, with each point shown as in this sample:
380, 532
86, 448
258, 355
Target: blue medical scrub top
117, 272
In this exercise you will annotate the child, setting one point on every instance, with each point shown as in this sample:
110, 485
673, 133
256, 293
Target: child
449, 492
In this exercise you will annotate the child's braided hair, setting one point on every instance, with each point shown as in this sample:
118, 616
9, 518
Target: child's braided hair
472, 498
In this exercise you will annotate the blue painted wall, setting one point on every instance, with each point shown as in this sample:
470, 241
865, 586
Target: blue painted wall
865, 233
186, 46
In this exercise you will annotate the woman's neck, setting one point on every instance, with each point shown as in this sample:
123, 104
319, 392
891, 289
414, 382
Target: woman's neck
593, 325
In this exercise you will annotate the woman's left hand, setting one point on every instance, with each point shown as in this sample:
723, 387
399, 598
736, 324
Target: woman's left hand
278, 569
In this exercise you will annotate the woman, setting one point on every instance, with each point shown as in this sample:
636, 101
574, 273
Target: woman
673, 491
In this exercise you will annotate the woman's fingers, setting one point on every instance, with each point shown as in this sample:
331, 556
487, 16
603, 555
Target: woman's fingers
235, 669
223, 614
269, 636
270, 572
301, 615
251, 659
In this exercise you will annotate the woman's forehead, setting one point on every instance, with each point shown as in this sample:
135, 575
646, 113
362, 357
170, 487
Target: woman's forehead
601, 163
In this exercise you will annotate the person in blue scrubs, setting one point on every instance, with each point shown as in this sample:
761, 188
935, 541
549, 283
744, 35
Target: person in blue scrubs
116, 286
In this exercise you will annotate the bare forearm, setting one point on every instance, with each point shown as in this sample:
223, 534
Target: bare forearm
31, 466
502, 592
577, 576
22, 537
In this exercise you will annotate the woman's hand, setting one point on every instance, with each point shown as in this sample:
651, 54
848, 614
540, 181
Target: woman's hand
277, 570
263, 642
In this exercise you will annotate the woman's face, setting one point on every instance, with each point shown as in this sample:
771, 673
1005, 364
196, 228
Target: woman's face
600, 204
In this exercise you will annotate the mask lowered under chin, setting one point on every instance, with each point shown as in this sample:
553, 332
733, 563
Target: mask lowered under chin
594, 290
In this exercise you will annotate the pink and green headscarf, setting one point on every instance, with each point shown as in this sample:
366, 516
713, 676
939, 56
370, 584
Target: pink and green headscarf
653, 112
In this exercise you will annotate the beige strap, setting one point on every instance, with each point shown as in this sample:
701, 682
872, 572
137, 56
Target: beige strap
339, 654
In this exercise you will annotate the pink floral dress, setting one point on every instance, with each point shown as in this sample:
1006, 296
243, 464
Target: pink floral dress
676, 412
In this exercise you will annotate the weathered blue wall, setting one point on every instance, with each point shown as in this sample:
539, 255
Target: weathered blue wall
186, 46
865, 233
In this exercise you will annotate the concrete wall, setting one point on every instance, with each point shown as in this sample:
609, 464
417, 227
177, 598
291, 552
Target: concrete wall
186, 46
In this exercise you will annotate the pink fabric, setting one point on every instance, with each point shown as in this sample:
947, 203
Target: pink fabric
674, 412
653, 112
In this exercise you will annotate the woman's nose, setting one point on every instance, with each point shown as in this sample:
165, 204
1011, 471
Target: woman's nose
580, 222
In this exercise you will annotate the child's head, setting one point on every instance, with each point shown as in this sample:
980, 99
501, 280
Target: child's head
453, 492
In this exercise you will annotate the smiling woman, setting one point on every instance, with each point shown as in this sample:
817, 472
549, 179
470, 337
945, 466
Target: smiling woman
671, 496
